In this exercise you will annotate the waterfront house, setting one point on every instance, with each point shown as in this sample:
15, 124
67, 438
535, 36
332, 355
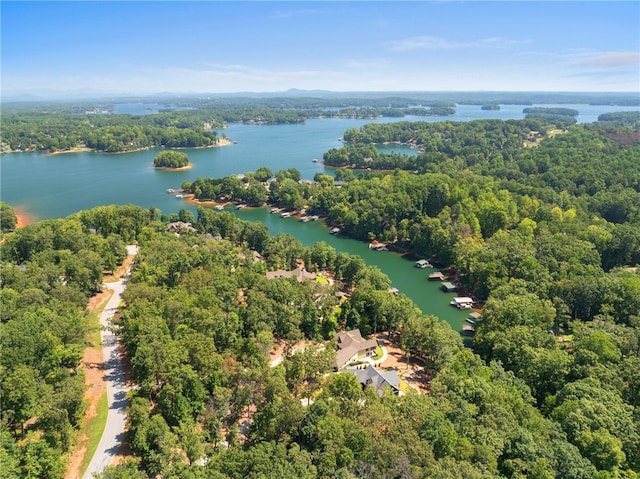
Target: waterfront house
353, 347
300, 274
372, 377
178, 227
423, 263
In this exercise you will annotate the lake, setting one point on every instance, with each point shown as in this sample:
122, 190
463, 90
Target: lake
55, 186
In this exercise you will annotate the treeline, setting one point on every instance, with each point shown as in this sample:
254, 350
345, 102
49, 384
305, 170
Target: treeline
630, 118
471, 142
561, 117
61, 127
54, 131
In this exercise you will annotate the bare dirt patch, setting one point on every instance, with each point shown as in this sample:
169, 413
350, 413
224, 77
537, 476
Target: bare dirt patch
120, 271
412, 371
92, 364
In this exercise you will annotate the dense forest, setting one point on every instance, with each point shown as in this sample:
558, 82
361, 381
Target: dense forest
539, 220
49, 271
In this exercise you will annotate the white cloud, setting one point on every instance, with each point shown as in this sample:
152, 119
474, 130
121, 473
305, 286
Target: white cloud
427, 42
610, 60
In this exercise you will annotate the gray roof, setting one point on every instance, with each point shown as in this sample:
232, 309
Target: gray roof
377, 379
300, 274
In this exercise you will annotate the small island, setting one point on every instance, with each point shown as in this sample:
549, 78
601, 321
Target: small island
491, 107
174, 160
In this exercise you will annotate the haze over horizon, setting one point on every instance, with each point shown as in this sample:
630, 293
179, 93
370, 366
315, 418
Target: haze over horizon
153, 47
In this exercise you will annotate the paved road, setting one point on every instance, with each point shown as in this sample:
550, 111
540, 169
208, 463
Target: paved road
113, 433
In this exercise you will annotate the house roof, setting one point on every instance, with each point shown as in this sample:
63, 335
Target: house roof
377, 379
349, 344
449, 286
300, 274
179, 226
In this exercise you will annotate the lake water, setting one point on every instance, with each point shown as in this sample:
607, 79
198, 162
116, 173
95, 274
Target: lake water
55, 186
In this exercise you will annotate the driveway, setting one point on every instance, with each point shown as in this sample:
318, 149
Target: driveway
114, 377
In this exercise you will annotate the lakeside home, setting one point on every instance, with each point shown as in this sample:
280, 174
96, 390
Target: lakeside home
300, 274
352, 347
372, 377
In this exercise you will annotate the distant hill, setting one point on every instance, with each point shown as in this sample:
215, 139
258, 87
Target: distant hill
463, 97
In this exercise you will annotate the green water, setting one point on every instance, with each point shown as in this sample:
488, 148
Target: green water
401, 270
56, 186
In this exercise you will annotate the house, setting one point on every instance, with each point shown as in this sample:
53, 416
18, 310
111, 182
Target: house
448, 287
437, 276
423, 263
352, 347
180, 227
300, 274
372, 377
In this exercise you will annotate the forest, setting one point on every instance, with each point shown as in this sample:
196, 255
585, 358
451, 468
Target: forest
539, 220
193, 122
65, 127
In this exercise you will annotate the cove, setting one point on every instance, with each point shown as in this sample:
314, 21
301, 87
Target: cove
55, 186
401, 270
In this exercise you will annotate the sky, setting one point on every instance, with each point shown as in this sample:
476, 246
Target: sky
149, 47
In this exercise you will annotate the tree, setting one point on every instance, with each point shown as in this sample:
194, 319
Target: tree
263, 174
8, 218
171, 159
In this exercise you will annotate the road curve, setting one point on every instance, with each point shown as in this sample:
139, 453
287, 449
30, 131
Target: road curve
114, 430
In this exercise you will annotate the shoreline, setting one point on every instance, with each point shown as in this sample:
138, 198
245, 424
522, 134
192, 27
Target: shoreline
169, 168
220, 142
73, 150
23, 218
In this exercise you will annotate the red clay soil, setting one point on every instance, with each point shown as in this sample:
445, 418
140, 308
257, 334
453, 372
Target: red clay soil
93, 365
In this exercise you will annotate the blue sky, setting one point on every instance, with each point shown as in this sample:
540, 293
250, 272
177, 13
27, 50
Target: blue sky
221, 47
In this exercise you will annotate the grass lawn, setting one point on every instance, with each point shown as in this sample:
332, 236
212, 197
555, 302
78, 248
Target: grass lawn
93, 429
94, 338
379, 353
